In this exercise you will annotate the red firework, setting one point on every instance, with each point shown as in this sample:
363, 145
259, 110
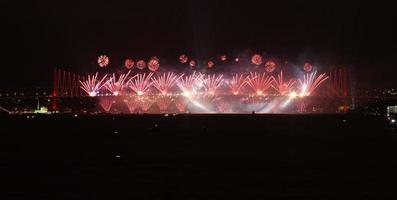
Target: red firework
144, 103
129, 63
256, 59
221, 106
181, 104
187, 84
210, 64
237, 83
132, 104
223, 58
154, 64
106, 104
307, 67
116, 86
141, 64
165, 82
183, 58
211, 83
103, 61
163, 102
141, 83
192, 63
282, 87
259, 83
310, 82
91, 86
270, 66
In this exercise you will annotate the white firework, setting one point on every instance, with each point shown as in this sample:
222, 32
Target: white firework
91, 86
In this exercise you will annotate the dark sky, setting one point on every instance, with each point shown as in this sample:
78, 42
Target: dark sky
37, 36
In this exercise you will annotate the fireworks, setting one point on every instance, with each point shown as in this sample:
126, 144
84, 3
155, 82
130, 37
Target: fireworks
163, 102
91, 86
310, 82
270, 66
192, 63
187, 84
181, 104
129, 63
211, 83
153, 64
237, 82
259, 83
210, 64
281, 87
103, 61
106, 104
132, 105
144, 102
183, 58
165, 82
256, 59
223, 58
114, 86
141, 83
141, 64
307, 67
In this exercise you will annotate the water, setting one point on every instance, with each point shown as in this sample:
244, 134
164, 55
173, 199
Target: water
196, 157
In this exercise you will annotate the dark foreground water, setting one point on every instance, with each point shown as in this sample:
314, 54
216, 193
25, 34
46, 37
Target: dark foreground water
197, 157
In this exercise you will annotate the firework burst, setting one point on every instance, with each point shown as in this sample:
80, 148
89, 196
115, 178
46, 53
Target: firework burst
237, 83
116, 86
259, 83
165, 82
141, 64
310, 82
129, 63
270, 66
103, 61
282, 87
256, 59
153, 64
141, 83
183, 58
188, 83
211, 83
91, 86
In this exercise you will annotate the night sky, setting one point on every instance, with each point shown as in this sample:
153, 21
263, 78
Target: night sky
38, 36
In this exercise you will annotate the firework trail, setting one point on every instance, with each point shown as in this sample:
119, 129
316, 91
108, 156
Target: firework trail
259, 83
238, 82
281, 87
115, 87
141, 83
91, 86
165, 82
310, 82
211, 83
